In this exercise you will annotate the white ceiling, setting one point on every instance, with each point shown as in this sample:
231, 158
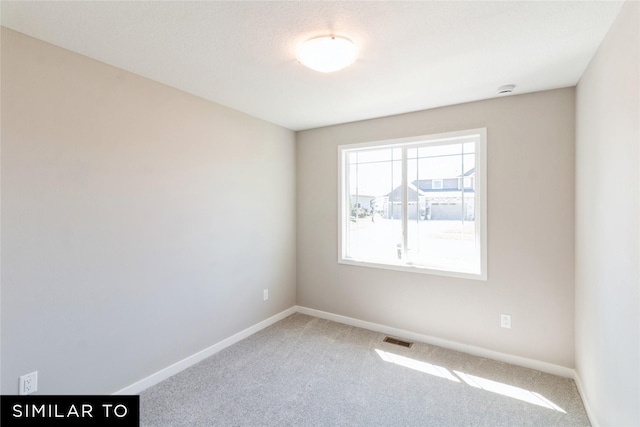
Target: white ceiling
413, 55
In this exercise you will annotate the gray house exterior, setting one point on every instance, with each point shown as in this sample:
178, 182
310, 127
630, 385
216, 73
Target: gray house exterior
435, 199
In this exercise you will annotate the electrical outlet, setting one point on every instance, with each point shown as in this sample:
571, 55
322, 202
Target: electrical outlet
265, 294
29, 383
505, 321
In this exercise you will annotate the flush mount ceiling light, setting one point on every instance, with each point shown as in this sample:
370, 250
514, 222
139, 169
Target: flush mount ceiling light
327, 53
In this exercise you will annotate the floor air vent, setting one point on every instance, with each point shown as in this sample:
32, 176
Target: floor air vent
398, 341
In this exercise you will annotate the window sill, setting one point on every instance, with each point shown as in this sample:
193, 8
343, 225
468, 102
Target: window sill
408, 268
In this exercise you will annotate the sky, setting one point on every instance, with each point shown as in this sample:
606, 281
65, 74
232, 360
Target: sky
378, 172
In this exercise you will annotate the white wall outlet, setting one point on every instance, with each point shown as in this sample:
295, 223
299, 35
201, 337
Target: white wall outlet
29, 383
505, 321
265, 294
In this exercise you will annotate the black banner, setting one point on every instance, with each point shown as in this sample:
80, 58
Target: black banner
63, 411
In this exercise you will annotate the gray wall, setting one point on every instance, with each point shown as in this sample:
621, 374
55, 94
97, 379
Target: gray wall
530, 141
120, 253
607, 226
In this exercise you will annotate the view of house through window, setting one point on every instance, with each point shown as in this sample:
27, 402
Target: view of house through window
416, 203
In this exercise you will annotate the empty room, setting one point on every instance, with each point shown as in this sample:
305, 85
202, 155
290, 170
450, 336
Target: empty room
318, 213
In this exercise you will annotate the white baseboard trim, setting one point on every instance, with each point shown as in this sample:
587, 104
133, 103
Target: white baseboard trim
549, 368
585, 401
189, 361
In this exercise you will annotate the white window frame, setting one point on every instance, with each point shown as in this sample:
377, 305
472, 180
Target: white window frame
480, 214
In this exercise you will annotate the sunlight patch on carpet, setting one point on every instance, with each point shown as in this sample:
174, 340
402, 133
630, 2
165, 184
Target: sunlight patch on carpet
471, 380
509, 391
417, 365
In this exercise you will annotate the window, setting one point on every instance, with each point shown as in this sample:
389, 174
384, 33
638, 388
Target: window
416, 204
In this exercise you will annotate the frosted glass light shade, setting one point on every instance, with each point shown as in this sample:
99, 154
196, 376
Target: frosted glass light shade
327, 53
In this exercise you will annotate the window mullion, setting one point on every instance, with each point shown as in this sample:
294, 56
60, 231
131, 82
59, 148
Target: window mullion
462, 214
346, 199
405, 204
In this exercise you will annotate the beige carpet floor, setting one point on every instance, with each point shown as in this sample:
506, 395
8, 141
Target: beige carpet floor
305, 371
